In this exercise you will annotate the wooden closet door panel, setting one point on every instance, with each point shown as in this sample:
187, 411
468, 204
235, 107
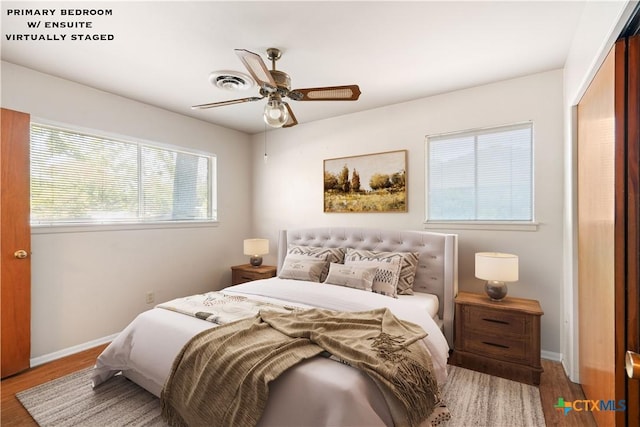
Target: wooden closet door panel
629, 235
596, 238
15, 235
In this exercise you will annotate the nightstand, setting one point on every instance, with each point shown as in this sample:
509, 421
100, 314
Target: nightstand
246, 273
500, 338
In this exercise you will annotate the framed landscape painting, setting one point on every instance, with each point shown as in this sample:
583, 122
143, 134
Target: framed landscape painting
367, 183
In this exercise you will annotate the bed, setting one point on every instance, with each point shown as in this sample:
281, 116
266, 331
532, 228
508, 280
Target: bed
341, 395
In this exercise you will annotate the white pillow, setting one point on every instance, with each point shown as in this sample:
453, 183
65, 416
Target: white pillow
302, 268
352, 276
328, 254
387, 276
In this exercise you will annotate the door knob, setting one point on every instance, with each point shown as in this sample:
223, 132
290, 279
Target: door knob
20, 254
632, 364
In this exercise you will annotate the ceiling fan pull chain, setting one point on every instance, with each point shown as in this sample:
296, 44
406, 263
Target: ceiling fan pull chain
266, 158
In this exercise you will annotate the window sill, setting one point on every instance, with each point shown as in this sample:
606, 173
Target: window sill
89, 228
482, 225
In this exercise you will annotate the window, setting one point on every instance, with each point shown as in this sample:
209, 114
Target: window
78, 178
481, 175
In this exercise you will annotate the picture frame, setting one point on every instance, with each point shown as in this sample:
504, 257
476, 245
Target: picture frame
366, 183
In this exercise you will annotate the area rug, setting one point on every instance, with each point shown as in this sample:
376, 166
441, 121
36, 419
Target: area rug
71, 401
474, 399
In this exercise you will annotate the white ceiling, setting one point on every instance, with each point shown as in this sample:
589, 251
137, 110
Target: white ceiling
163, 52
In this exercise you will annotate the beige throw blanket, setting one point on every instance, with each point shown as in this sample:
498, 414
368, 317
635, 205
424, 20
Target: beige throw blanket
221, 377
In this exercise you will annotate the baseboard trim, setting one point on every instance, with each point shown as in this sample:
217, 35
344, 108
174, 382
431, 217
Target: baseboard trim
550, 355
573, 376
40, 360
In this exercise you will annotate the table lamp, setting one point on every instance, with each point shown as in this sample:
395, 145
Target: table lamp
256, 248
496, 268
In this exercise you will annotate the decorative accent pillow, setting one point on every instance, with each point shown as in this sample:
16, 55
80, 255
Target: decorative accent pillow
385, 281
329, 254
302, 268
408, 260
352, 276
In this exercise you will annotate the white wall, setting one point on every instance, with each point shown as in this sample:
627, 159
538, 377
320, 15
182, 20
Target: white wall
288, 189
89, 285
598, 29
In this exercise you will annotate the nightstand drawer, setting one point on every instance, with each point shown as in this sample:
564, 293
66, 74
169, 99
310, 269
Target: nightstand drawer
494, 321
498, 347
251, 275
247, 273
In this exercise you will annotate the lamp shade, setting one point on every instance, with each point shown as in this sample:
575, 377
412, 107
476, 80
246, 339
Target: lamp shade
256, 247
497, 266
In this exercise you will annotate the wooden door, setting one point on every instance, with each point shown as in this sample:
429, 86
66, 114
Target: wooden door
627, 223
596, 238
608, 233
15, 236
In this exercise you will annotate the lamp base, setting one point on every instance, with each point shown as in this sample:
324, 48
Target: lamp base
255, 261
495, 290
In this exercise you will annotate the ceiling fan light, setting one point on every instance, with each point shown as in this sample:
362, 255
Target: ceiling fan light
275, 113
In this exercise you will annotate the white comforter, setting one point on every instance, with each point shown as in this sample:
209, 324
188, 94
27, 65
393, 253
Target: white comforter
316, 392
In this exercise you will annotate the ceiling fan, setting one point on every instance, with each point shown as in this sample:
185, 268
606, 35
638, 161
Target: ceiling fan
276, 84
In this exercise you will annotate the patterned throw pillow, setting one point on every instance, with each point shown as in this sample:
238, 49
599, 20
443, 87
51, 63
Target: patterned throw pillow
385, 281
408, 261
302, 268
352, 276
329, 254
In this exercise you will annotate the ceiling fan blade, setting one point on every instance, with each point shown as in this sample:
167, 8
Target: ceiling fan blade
257, 68
291, 121
230, 102
329, 93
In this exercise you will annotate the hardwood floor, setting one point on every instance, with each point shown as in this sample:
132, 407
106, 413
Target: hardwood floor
553, 384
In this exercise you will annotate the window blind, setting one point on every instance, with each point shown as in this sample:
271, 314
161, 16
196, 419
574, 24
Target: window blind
481, 175
88, 179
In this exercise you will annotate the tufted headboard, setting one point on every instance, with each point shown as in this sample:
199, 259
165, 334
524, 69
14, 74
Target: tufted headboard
437, 271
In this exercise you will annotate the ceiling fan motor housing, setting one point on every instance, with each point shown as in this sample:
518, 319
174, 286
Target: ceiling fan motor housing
283, 82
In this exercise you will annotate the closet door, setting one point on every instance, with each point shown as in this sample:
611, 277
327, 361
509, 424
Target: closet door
15, 243
596, 238
609, 234
628, 223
